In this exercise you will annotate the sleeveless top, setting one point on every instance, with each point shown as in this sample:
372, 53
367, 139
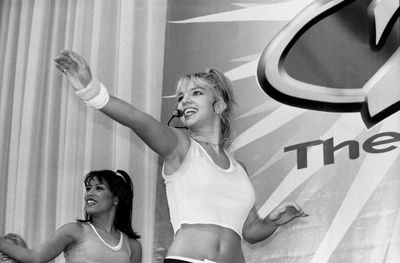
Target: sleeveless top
201, 192
93, 249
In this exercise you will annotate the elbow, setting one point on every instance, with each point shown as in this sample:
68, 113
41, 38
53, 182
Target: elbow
250, 239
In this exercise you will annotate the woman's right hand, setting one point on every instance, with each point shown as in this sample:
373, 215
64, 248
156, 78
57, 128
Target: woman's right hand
75, 68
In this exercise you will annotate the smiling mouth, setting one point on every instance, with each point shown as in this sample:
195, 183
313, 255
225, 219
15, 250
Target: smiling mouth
189, 111
90, 202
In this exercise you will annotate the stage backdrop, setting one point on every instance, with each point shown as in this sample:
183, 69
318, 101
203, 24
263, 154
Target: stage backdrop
317, 85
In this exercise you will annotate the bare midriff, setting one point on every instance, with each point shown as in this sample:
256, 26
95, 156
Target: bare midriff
207, 241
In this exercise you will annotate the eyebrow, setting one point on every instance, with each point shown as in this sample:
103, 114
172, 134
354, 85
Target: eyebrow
190, 89
197, 87
95, 184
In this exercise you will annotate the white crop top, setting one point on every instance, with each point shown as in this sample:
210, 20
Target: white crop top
201, 192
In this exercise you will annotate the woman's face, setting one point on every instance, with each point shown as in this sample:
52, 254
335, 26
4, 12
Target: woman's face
196, 102
98, 198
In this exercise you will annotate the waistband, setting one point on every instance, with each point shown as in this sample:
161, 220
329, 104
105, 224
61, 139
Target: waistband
189, 260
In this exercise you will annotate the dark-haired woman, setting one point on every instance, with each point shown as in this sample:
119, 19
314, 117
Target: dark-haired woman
105, 235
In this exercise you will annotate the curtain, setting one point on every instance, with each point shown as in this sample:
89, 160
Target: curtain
49, 140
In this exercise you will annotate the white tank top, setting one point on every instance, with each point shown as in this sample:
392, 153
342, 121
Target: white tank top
201, 192
91, 248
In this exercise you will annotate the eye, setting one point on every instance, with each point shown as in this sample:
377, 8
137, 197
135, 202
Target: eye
100, 188
180, 98
197, 92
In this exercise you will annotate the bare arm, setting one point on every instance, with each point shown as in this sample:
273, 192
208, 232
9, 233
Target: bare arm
64, 237
159, 137
256, 229
165, 141
136, 248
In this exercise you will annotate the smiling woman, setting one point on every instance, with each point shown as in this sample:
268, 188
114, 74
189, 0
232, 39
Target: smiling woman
105, 235
210, 197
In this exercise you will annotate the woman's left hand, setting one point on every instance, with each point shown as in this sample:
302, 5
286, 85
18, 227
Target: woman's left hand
285, 213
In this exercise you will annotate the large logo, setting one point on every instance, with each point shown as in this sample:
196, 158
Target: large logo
377, 99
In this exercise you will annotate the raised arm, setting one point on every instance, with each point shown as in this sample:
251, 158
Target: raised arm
159, 137
256, 229
64, 237
162, 139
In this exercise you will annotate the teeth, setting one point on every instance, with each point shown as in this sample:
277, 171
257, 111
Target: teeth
90, 202
190, 111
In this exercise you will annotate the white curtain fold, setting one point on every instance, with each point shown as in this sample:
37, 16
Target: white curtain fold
48, 138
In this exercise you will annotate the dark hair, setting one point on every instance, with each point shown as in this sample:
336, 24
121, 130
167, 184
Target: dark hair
121, 186
221, 86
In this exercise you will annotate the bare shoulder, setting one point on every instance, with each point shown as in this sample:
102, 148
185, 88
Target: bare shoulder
72, 227
136, 248
70, 231
135, 245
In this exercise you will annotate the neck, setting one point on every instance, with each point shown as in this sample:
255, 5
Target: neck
206, 137
106, 224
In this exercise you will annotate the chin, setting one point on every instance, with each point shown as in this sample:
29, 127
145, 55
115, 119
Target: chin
89, 211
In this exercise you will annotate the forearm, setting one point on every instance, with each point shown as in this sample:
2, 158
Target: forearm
156, 135
19, 253
162, 139
126, 114
259, 230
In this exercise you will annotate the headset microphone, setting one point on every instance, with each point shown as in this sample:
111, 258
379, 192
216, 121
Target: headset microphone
177, 114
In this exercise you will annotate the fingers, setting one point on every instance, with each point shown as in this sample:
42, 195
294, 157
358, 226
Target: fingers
77, 59
63, 62
75, 68
295, 209
69, 61
60, 68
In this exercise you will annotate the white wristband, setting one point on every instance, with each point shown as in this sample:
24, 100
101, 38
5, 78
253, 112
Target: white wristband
95, 95
90, 91
100, 100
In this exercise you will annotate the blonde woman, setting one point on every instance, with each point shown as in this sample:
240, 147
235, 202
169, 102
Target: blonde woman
210, 197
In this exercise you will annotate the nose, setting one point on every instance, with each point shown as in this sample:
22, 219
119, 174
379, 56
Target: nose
185, 100
89, 192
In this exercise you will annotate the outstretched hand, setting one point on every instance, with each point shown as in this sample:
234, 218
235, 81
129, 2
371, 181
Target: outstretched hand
75, 68
285, 213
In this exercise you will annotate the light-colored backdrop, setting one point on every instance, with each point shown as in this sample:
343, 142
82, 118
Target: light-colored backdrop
344, 173
48, 138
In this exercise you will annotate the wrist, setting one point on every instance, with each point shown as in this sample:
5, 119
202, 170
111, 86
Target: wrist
271, 222
100, 100
91, 90
95, 94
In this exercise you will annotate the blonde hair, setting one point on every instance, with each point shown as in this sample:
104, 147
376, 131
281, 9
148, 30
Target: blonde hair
221, 86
